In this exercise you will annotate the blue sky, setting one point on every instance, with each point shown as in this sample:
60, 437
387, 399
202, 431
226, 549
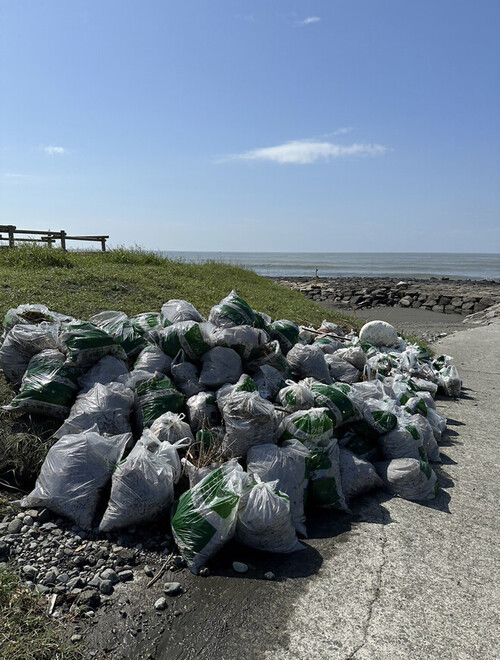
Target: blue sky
336, 125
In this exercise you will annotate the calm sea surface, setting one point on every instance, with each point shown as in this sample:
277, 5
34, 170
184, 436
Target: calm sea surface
352, 264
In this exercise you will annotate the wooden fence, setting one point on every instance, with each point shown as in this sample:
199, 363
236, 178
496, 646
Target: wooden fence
48, 237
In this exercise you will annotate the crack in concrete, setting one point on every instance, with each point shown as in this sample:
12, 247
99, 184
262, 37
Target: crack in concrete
378, 584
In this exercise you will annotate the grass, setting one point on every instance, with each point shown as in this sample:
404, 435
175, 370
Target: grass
26, 632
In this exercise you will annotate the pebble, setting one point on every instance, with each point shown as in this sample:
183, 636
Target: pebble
15, 526
269, 575
148, 571
161, 603
204, 572
76, 638
29, 572
239, 567
172, 588
106, 587
109, 574
177, 613
125, 576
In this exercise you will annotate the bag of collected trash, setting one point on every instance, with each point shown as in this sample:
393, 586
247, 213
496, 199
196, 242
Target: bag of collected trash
158, 395
49, 386
106, 406
205, 515
269, 382
365, 446
286, 333
358, 476
232, 310
379, 333
249, 420
220, 365
146, 322
248, 342
437, 421
426, 432
328, 327
313, 427
85, 344
325, 485
22, 343
185, 375
175, 311
383, 363
120, 327
264, 519
307, 335
449, 381
288, 465
340, 369
171, 427
196, 474
295, 396
74, 474
245, 384
355, 355
152, 359
381, 416
410, 478
194, 338
328, 345
202, 411
403, 442
262, 320
32, 315
107, 370
271, 356
305, 360
373, 389
340, 407
142, 486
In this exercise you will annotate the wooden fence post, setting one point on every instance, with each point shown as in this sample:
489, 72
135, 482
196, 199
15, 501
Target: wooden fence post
63, 240
11, 229
103, 244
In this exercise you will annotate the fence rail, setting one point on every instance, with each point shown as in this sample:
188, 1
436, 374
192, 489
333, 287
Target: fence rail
48, 237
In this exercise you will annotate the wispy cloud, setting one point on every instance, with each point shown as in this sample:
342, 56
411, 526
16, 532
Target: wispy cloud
55, 151
309, 20
305, 152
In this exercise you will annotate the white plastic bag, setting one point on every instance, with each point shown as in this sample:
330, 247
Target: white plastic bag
171, 427
22, 343
107, 370
308, 361
249, 420
153, 359
202, 411
175, 311
340, 369
358, 476
185, 375
295, 396
409, 478
220, 365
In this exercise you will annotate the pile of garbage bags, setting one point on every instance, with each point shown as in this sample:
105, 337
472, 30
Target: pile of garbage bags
231, 427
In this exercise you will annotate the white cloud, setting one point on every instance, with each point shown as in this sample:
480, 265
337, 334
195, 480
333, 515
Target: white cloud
309, 20
304, 152
55, 151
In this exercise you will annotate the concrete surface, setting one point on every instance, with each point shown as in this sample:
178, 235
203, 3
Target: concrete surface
397, 580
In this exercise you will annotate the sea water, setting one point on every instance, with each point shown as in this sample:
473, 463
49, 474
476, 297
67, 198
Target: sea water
355, 264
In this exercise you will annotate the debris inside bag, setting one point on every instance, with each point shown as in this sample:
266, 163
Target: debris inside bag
241, 424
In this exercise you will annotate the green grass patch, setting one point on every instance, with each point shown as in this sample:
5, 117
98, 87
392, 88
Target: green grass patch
26, 632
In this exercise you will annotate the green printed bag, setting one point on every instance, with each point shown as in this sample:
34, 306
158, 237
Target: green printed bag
312, 427
325, 481
158, 395
121, 328
340, 407
190, 336
85, 344
233, 310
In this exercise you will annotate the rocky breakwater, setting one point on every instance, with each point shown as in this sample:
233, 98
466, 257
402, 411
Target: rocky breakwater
437, 294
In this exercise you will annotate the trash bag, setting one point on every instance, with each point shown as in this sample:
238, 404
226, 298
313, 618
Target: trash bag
270, 356
355, 355
264, 519
340, 407
220, 365
364, 446
144, 323
307, 335
381, 416
325, 485
120, 327
22, 343
331, 328
410, 478
205, 516
202, 411
309, 361
328, 345
262, 320
142, 486
312, 427
295, 396
74, 474
171, 427
287, 465
248, 342
231, 311
449, 381
358, 476
85, 344
249, 420
340, 369
438, 423
176, 311
196, 474
49, 386
107, 370
152, 359
403, 442
194, 338
185, 375
158, 395
245, 384
269, 382
108, 407
426, 432
32, 315
286, 333
379, 333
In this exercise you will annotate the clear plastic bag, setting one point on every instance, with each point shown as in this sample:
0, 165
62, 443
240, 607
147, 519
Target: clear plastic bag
22, 343
185, 375
220, 365
175, 311
410, 478
358, 476
309, 361
249, 420
231, 311
171, 427
107, 370
202, 411
153, 359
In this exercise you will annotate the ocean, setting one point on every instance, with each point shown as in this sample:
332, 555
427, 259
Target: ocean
355, 264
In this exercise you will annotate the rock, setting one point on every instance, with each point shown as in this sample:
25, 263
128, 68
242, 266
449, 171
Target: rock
42, 589
148, 571
95, 582
239, 567
172, 588
62, 578
109, 574
177, 613
161, 603
29, 572
204, 572
269, 575
126, 576
89, 598
15, 526
126, 556
50, 577
178, 560
406, 301
4, 551
106, 587
75, 583
76, 638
